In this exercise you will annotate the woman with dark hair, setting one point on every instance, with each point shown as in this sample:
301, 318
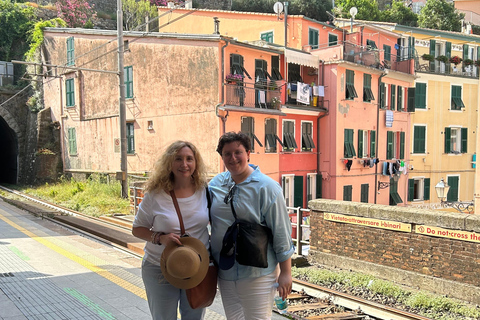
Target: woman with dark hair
247, 292
180, 169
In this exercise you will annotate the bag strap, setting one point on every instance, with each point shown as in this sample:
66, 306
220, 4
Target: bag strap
177, 208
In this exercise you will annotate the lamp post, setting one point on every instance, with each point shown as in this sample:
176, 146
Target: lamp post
442, 189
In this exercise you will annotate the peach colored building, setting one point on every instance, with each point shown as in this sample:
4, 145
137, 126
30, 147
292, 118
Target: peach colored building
471, 9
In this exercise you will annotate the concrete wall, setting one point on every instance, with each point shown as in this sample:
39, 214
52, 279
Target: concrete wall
418, 258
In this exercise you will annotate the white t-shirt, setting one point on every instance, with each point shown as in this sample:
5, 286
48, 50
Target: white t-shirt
157, 212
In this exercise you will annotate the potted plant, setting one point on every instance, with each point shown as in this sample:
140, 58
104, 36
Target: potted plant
477, 63
276, 102
234, 78
428, 57
455, 60
467, 62
272, 85
443, 59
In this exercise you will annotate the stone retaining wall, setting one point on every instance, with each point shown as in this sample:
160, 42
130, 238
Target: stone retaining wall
441, 253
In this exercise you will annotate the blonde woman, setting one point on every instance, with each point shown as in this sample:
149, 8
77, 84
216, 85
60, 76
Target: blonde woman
180, 169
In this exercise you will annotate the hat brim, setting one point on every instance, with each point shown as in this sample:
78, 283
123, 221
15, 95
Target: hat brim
195, 280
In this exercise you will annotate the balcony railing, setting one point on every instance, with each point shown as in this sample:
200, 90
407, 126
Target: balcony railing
439, 67
264, 95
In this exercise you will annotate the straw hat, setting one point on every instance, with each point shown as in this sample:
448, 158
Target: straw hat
185, 266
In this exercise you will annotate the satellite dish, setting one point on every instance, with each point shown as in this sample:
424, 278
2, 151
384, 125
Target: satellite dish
278, 7
353, 11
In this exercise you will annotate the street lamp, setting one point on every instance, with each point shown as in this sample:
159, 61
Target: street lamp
442, 190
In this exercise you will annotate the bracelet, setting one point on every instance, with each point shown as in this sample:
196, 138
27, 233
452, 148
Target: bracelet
155, 238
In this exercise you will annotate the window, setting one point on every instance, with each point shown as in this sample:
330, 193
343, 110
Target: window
400, 101
275, 71
452, 194
419, 134
350, 92
289, 135
307, 140
72, 141
236, 65
271, 137
332, 39
457, 103
248, 127
293, 190
70, 52
294, 73
130, 138
395, 145
383, 94
347, 193
267, 36
128, 80
367, 88
420, 95
456, 140
387, 52
314, 186
364, 193
418, 189
313, 38
348, 148
371, 45
364, 137
392, 96
70, 92
394, 196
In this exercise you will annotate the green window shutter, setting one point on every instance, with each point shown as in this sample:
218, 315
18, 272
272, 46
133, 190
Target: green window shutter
411, 189
426, 189
313, 38
360, 144
332, 39
388, 52
382, 95
70, 92
464, 140
411, 47
128, 81
349, 149
448, 49
70, 51
418, 139
372, 143
347, 193
432, 52
420, 95
392, 96
318, 182
267, 36
411, 99
389, 145
402, 145
364, 193
448, 134
130, 139
465, 51
399, 98
453, 192
298, 191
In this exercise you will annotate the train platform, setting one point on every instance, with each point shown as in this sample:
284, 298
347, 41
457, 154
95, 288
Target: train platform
48, 271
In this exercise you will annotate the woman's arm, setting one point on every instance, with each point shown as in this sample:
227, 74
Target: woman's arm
285, 278
146, 234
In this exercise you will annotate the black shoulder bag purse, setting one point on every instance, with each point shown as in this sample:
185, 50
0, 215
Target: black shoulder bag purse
246, 242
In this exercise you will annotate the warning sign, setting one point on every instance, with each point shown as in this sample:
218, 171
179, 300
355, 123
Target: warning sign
116, 145
448, 233
374, 223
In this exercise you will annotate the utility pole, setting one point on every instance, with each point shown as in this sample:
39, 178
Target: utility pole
121, 102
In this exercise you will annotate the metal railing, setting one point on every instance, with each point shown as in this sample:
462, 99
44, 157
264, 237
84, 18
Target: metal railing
253, 95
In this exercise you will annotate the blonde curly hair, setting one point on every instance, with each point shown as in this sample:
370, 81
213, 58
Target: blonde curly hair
162, 177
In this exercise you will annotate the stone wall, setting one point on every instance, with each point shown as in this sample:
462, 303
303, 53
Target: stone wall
48, 157
441, 253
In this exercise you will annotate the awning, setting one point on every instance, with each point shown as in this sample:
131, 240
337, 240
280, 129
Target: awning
301, 58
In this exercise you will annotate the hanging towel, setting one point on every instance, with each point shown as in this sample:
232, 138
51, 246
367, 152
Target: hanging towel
372, 163
384, 168
389, 118
349, 164
261, 96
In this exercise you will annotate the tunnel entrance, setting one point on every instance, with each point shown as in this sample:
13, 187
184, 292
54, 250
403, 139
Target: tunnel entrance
9, 157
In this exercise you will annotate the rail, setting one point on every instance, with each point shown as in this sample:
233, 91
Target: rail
136, 196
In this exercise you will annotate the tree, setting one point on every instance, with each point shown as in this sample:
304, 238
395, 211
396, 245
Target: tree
440, 15
134, 13
367, 9
16, 20
313, 9
399, 13
75, 12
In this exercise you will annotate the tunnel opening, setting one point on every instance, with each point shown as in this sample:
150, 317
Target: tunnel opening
9, 157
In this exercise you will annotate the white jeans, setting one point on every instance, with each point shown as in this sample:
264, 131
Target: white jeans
248, 299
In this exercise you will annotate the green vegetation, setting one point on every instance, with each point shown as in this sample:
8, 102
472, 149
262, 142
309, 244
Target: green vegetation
426, 304
94, 196
36, 35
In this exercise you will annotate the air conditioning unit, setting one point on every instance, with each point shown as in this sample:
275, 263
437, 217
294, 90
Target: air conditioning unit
6, 73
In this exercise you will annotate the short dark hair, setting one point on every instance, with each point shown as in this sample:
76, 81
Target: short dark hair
229, 137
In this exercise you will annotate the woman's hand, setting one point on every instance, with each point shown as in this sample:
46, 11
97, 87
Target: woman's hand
166, 239
285, 279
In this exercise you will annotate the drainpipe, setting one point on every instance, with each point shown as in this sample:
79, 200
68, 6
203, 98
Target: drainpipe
320, 117
377, 133
223, 118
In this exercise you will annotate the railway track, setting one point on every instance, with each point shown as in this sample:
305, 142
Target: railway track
307, 301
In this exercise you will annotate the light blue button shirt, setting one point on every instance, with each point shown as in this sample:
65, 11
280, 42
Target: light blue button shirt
257, 199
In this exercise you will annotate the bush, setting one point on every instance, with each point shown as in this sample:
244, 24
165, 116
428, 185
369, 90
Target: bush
428, 57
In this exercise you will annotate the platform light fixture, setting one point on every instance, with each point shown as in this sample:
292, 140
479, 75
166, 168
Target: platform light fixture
442, 189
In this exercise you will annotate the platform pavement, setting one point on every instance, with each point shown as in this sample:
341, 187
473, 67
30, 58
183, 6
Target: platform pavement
49, 272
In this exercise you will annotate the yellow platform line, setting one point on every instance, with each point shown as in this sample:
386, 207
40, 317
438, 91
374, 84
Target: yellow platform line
102, 272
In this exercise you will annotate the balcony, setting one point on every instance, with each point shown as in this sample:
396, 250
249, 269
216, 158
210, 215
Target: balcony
263, 95
438, 67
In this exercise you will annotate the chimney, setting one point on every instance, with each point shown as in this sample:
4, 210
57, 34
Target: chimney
188, 4
216, 23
